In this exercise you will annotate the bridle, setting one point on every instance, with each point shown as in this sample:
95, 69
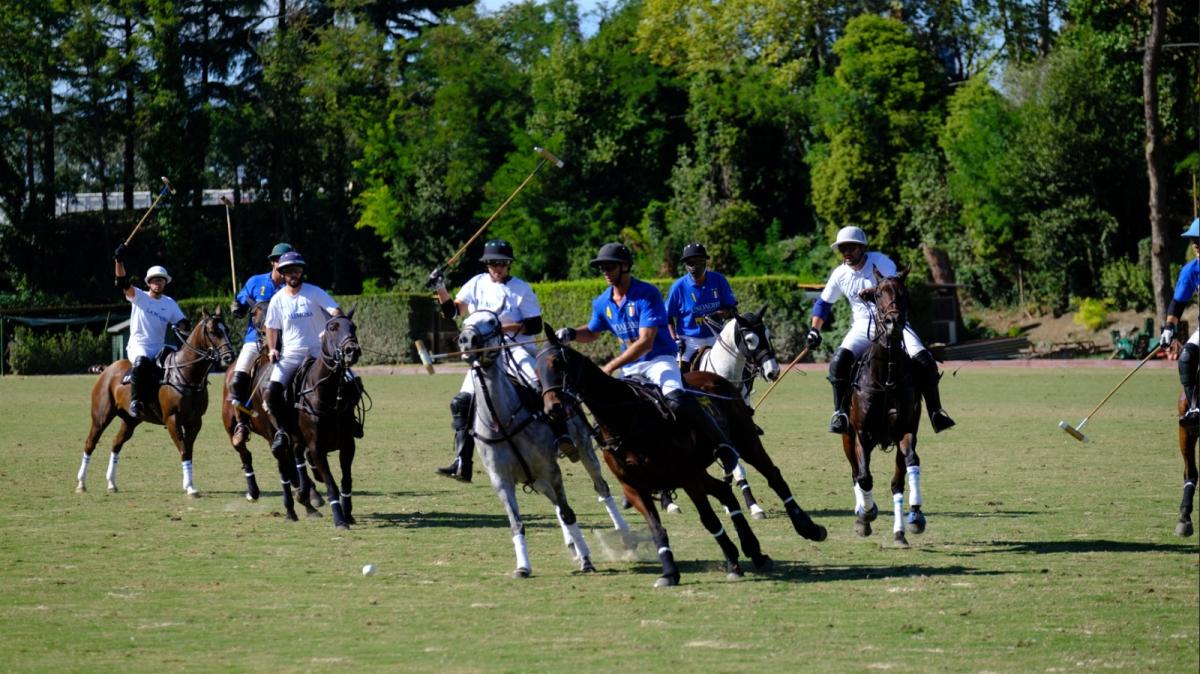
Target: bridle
891, 316
337, 357
211, 354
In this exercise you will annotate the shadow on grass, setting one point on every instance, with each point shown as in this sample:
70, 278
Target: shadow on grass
455, 520
796, 572
931, 514
1057, 547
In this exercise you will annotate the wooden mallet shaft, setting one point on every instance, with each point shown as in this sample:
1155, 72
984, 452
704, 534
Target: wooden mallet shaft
161, 193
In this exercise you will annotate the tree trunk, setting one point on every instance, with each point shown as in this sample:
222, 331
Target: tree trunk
48, 189
939, 264
1160, 263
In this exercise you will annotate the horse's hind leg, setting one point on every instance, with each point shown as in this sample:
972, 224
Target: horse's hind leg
346, 460
724, 494
320, 460
905, 450
739, 479
252, 490
587, 456
507, 493
102, 416
757, 456
642, 501
124, 432
1187, 448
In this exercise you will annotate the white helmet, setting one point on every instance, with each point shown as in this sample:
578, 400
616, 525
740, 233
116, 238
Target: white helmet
157, 271
850, 234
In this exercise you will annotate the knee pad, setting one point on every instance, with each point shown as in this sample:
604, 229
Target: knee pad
1189, 358
460, 410
840, 365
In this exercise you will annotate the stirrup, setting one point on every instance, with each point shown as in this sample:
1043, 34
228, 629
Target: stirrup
135, 409
1191, 417
942, 421
839, 423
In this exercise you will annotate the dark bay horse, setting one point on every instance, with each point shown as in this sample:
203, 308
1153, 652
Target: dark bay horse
646, 452
1187, 449
885, 410
179, 402
327, 400
293, 471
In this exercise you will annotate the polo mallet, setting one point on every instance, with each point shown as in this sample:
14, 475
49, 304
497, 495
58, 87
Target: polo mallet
161, 193
546, 157
229, 230
427, 358
1077, 431
803, 353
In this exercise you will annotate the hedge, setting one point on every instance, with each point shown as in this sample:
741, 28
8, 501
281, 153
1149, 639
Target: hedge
388, 323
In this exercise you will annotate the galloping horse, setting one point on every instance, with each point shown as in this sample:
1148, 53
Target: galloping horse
647, 452
885, 409
515, 443
292, 469
179, 402
327, 399
742, 352
1187, 448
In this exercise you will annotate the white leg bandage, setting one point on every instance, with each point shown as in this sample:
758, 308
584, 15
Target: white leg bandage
111, 474
914, 486
187, 474
898, 512
522, 552
614, 513
860, 503
83, 468
581, 546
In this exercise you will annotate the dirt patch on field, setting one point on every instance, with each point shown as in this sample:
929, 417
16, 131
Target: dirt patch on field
1046, 331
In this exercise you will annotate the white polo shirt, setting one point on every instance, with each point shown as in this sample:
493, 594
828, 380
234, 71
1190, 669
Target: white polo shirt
300, 319
148, 323
844, 281
513, 301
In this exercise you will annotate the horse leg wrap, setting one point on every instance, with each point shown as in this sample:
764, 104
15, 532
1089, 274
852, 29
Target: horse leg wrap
187, 474
914, 486
614, 513
897, 512
111, 474
83, 468
522, 552
1189, 495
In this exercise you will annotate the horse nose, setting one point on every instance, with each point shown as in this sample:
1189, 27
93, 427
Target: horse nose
771, 370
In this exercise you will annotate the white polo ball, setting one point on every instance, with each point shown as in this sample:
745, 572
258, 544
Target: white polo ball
369, 570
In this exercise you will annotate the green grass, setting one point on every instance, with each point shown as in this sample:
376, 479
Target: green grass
1042, 553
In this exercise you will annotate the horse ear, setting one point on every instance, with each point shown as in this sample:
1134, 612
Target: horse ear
763, 312
203, 313
550, 336
217, 313
878, 277
903, 274
353, 308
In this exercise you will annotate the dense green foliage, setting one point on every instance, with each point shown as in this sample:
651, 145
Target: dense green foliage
378, 135
65, 352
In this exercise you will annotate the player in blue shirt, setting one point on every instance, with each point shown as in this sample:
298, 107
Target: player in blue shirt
633, 310
1189, 355
696, 294
258, 288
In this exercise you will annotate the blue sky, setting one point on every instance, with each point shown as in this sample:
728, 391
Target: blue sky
587, 11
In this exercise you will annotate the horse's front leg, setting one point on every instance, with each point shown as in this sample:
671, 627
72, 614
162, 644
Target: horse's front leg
908, 466
346, 460
859, 455
506, 491
551, 486
238, 441
750, 546
756, 455
743, 484
320, 460
906, 455
644, 503
183, 435
1187, 449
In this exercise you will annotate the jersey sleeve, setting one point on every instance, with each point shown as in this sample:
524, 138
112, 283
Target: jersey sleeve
884, 264
138, 299
598, 323
246, 294
652, 313
675, 301
832, 292
176, 313
274, 318
324, 300
466, 294
1185, 286
527, 302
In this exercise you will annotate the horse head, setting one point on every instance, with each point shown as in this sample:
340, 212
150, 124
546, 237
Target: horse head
481, 338
891, 304
258, 320
339, 341
555, 369
210, 337
756, 341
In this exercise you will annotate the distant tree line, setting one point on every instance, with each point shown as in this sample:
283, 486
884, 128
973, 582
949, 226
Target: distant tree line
1013, 146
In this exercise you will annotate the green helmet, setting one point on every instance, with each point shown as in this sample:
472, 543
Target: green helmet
278, 250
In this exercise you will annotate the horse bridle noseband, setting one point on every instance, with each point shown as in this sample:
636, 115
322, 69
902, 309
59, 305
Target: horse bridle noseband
212, 354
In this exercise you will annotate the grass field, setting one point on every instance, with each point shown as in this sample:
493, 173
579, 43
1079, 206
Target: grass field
1042, 554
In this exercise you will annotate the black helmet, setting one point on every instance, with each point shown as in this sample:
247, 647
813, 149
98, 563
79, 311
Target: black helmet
613, 252
290, 259
497, 250
694, 249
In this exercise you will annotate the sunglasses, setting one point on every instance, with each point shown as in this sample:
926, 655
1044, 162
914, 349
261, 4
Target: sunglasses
498, 263
608, 266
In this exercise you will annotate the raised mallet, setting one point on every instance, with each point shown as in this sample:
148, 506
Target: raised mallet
546, 158
1077, 431
161, 193
229, 230
803, 353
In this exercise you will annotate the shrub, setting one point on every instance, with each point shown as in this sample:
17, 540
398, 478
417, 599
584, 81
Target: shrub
1093, 313
65, 352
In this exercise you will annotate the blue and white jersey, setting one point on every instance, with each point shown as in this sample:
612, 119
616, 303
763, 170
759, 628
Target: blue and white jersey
300, 318
1188, 282
260, 288
686, 301
642, 307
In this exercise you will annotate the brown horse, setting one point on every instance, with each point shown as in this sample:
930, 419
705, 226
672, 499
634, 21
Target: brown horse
648, 452
292, 469
327, 399
885, 409
1187, 448
179, 404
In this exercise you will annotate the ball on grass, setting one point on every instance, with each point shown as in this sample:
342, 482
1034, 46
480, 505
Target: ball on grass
369, 570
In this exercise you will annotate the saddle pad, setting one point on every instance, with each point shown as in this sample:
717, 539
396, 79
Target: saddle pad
647, 391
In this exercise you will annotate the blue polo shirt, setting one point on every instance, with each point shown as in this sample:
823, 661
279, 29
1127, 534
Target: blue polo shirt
1189, 281
642, 307
686, 301
257, 289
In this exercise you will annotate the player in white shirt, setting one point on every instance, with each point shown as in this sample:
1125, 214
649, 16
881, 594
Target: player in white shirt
295, 318
849, 279
152, 314
517, 306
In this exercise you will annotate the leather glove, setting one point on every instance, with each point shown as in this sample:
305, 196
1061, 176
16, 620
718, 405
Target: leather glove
1168, 335
565, 335
119, 253
814, 338
436, 280
237, 309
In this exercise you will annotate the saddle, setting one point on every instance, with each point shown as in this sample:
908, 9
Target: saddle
648, 392
693, 363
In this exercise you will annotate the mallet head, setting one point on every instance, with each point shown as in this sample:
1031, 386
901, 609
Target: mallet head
425, 356
1072, 431
558, 163
167, 185
225, 200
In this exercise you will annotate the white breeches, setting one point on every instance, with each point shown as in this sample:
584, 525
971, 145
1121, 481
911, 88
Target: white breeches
246, 358
693, 344
858, 339
1195, 338
135, 351
663, 371
282, 371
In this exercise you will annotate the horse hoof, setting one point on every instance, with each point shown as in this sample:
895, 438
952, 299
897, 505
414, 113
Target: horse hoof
899, 540
80, 488
862, 527
764, 563
191, 493
872, 513
734, 575
521, 572
757, 512
816, 533
673, 509
1184, 528
291, 516
916, 523
251, 498
313, 513
666, 581
341, 527
587, 566
315, 498
112, 489
350, 519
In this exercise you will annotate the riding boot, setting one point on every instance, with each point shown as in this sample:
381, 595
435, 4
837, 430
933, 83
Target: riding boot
137, 380
840, 367
562, 437
691, 412
464, 442
1189, 358
279, 416
927, 376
